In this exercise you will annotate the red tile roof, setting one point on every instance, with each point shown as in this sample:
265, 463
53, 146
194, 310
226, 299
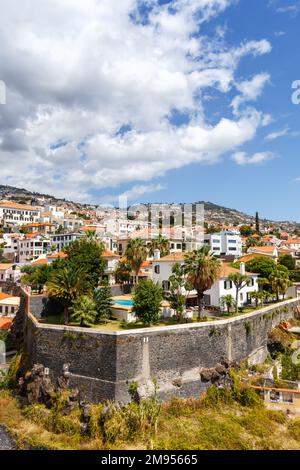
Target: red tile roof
5, 323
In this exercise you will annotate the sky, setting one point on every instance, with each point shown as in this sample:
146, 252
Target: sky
156, 100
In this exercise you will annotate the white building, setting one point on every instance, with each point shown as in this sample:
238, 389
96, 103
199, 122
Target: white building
224, 243
162, 270
62, 240
9, 272
12, 214
9, 305
31, 247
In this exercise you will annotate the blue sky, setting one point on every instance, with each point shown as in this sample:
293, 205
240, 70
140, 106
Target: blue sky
271, 188
159, 101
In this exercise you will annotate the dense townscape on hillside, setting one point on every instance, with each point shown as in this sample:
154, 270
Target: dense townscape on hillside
116, 269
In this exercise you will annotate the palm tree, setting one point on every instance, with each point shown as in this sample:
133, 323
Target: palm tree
228, 302
84, 310
202, 269
65, 285
160, 243
91, 235
279, 283
136, 254
240, 281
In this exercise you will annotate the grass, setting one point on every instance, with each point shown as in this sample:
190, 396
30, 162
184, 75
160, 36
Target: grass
183, 424
116, 325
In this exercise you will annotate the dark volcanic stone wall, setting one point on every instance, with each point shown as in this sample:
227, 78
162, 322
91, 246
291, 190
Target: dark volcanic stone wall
103, 364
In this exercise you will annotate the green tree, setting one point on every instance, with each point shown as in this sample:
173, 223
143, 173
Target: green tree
246, 230
288, 261
280, 282
227, 302
86, 254
160, 243
240, 281
65, 285
136, 254
103, 301
178, 286
84, 310
263, 265
257, 227
147, 302
202, 269
122, 272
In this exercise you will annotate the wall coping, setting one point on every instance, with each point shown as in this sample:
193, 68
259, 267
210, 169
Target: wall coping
167, 328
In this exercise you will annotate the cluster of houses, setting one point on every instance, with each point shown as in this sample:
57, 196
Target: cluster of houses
38, 235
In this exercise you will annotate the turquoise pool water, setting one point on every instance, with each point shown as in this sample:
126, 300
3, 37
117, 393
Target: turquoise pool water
127, 303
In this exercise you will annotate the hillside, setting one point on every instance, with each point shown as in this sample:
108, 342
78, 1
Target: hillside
214, 213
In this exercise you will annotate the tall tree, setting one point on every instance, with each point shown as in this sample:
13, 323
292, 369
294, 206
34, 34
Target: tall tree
179, 289
280, 282
136, 254
147, 302
160, 243
86, 254
65, 285
202, 269
257, 227
103, 301
240, 281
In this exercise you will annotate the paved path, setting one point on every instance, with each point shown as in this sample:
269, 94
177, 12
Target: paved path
6, 442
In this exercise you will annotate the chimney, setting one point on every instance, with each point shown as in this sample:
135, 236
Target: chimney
156, 255
242, 269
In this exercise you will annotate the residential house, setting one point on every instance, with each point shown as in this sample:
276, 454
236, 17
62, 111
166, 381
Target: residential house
62, 240
8, 305
12, 214
225, 243
162, 270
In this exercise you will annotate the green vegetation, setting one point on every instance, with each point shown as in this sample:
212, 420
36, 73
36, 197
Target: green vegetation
223, 419
240, 281
147, 299
160, 243
178, 284
202, 270
84, 310
103, 302
136, 254
227, 302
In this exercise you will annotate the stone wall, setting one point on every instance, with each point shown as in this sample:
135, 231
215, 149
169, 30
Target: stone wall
103, 364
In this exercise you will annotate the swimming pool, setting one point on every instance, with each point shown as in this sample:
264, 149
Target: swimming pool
127, 303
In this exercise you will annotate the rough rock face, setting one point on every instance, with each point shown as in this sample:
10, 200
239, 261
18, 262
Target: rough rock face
218, 375
37, 386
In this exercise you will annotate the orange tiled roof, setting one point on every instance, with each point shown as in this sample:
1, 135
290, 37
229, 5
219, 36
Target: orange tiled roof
4, 296
5, 266
267, 249
61, 254
39, 261
15, 205
292, 241
40, 224
251, 256
5, 323
110, 254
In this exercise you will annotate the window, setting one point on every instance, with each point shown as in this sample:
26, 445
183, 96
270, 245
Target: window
215, 240
232, 241
166, 285
227, 285
251, 282
241, 297
157, 269
231, 249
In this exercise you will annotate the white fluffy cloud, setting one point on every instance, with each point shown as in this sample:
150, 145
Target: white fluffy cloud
91, 87
241, 158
